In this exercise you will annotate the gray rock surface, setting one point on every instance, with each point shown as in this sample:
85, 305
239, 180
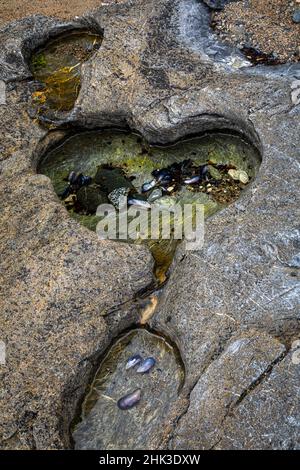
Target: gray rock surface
161, 72
245, 400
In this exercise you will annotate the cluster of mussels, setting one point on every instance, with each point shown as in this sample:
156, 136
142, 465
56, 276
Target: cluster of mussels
144, 366
222, 181
84, 194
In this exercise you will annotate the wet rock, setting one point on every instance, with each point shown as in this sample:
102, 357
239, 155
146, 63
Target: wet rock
231, 298
75, 314
295, 261
89, 198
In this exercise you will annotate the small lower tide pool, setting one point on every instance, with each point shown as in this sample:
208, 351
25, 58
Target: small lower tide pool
102, 424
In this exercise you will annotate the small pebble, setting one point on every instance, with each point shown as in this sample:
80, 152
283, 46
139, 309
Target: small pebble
239, 175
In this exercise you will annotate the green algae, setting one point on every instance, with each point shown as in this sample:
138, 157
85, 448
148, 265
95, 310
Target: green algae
39, 61
57, 66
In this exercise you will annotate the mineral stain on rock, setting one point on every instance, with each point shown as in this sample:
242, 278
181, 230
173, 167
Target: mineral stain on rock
57, 67
103, 423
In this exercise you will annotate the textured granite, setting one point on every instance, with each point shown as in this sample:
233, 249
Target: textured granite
161, 71
244, 400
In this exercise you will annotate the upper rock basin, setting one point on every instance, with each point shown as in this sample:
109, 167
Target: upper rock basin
57, 66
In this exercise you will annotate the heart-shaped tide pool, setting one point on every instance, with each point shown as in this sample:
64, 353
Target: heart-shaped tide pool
95, 167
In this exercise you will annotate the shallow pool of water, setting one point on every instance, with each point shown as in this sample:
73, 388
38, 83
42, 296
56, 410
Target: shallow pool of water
57, 66
102, 425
